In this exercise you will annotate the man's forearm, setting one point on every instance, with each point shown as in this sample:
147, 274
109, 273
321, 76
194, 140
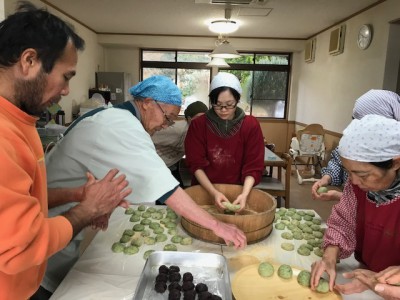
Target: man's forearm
79, 217
183, 205
59, 196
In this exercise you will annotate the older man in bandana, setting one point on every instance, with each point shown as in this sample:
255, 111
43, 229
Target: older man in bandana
120, 137
374, 102
366, 221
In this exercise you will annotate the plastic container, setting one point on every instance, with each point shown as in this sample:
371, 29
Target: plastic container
60, 117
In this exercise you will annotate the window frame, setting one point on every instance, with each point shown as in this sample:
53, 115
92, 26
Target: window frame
233, 66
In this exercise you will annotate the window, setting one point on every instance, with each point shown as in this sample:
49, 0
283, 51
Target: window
264, 78
187, 69
265, 82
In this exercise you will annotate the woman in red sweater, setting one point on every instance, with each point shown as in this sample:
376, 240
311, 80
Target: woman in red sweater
366, 221
225, 145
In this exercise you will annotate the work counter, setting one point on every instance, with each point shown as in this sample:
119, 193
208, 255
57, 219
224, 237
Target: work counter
103, 274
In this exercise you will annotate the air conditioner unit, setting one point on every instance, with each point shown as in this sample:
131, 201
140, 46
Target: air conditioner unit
336, 42
232, 2
309, 51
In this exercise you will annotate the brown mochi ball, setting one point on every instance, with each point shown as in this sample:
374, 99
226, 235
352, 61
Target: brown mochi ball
187, 276
201, 287
160, 287
174, 286
174, 269
162, 277
205, 295
175, 276
174, 295
189, 295
163, 269
187, 285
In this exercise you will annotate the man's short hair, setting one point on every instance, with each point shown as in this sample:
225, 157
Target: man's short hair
31, 27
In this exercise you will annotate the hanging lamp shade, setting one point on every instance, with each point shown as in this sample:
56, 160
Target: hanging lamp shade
225, 50
218, 62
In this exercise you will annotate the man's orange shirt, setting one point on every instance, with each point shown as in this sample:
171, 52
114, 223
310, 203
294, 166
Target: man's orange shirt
27, 236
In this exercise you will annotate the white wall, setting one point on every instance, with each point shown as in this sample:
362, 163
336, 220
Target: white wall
325, 90
89, 61
2, 10
392, 69
122, 59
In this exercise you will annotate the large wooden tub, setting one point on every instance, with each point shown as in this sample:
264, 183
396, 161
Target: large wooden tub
256, 220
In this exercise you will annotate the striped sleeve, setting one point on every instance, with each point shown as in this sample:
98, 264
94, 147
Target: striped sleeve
341, 223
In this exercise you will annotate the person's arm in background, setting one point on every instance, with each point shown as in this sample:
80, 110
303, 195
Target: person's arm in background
332, 174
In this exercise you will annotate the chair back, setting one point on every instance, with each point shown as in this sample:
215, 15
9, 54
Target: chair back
311, 139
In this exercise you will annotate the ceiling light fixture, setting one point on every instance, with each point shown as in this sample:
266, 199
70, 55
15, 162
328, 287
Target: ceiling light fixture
224, 50
223, 26
218, 62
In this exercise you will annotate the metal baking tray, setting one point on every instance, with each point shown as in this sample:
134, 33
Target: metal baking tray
208, 268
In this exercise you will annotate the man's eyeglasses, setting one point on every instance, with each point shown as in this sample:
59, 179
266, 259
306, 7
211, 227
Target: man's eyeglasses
167, 119
220, 107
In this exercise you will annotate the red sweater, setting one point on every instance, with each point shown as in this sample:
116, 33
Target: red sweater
225, 160
27, 236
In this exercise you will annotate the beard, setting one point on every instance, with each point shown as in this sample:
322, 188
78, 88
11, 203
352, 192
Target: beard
29, 94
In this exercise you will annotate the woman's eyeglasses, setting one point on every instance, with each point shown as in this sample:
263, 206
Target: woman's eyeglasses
220, 107
167, 119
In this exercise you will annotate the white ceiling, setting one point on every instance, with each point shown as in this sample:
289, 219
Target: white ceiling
298, 19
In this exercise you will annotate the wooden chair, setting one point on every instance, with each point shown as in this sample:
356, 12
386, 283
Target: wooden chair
275, 186
270, 146
308, 145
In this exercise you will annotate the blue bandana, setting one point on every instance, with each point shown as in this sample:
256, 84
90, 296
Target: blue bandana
159, 88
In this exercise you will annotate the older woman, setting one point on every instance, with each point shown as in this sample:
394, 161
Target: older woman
374, 102
366, 221
225, 145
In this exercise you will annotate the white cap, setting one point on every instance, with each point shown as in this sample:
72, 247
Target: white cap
372, 139
226, 79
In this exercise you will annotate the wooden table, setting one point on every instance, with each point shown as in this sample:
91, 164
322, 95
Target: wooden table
276, 185
272, 159
102, 274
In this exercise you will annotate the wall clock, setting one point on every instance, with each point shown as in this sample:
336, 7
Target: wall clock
364, 37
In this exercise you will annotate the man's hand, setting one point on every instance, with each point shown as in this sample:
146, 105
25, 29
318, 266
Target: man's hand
231, 234
99, 198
